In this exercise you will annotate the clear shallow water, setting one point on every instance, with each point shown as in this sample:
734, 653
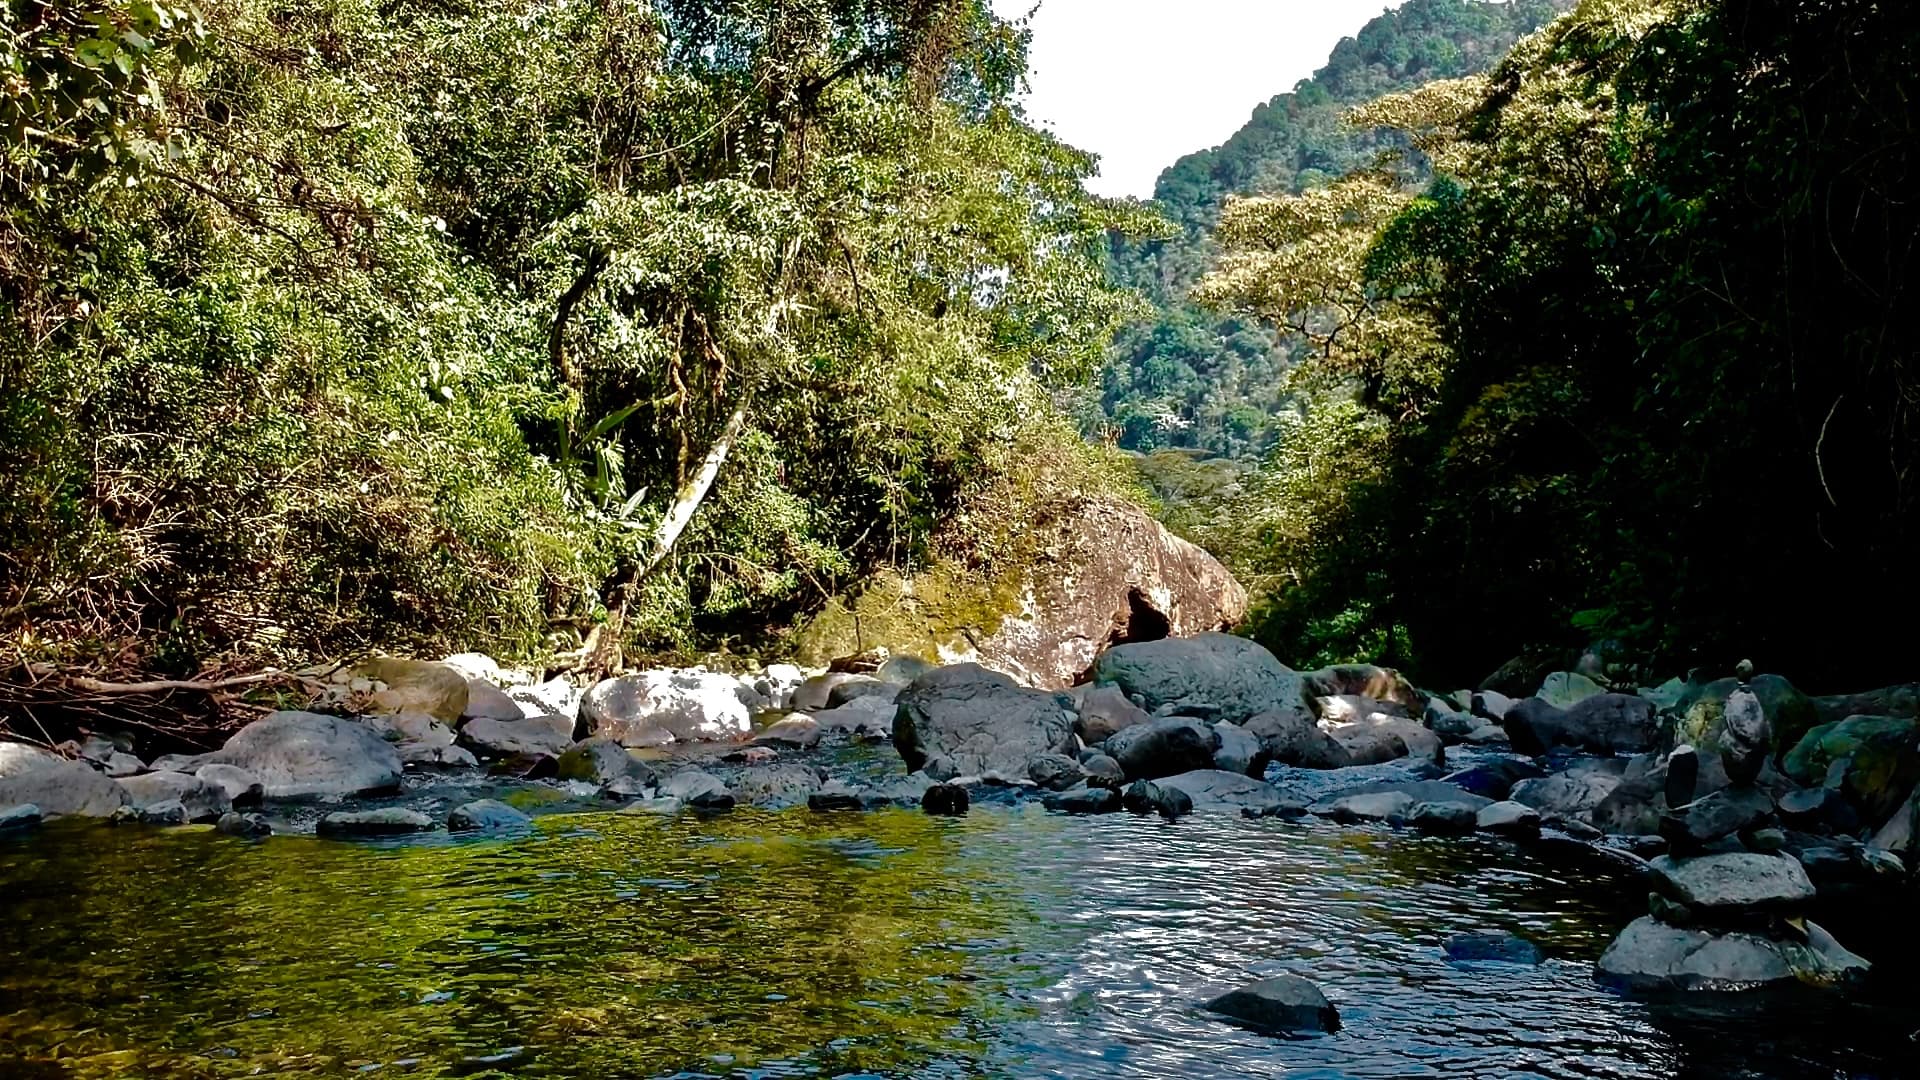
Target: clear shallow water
1012, 943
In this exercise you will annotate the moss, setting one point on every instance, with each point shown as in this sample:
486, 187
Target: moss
941, 611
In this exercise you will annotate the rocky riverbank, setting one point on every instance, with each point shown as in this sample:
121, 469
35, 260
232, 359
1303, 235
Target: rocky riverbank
1745, 802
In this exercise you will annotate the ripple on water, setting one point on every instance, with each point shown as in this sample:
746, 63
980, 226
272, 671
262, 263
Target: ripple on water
1012, 943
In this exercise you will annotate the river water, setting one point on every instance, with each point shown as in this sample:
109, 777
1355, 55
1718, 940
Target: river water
1010, 943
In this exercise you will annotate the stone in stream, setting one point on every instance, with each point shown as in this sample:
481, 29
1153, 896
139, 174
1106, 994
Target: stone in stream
528, 737
1601, 724
855, 687
798, 731
427, 756
1733, 883
1239, 751
242, 787
866, 719
836, 795
1219, 789
1086, 800
1233, 673
485, 701
1162, 747
1509, 819
1495, 948
163, 812
944, 800
1285, 1004
1056, 772
1495, 780
773, 786
1443, 818
1572, 795
1724, 813
1683, 775
601, 760
390, 821
1294, 737
203, 800
1388, 806
1104, 710
1873, 760
30, 775
978, 722
1650, 955
698, 789
1383, 685
487, 816
22, 818
120, 765
655, 708
1102, 771
307, 755
244, 826
1146, 797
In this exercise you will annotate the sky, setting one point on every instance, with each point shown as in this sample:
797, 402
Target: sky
1142, 83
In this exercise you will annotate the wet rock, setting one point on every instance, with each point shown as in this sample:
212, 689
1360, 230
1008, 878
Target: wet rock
413, 728
1349, 808
487, 816
1509, 819
164, 812
1239, 751
798, 732
485, 701
1294, 737
1724, 813
242, 787
698, 789
415, 686
945, 800
1146, 797
1449, 723
390, 821
1233, 673
203, 800
1283, 1004
866, 719
1102, 771
21, 818
601, 760
1104, 710
1219, 789
1881, 756
57, 786
980, 721
1734, 883
1572, 795
1085, 800
836, 795
1653, 956
663, 806
429, 756
1493, 948
244, 826
120, 765
532, 737
1444, 818
653, 708
775, 786
1162, 747
305, 755
1055, 772
1382, 738
1495, 780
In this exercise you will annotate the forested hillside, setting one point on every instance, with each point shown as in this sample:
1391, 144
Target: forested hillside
330, 323
1635, 368
1192, 378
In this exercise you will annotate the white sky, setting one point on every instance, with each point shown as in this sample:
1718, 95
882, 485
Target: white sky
1142, 83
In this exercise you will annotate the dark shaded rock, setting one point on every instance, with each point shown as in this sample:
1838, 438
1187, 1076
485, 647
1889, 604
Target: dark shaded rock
1369, 681
1102, 771
244, 826
1218, 789
981, 721
1747, 742
774, 786
1734, 883
1446, 819
57, 786
1284, 1004
1509, 819
1723, 813
1146, 797
1572, 795
1056, 772
242, 787
1105, 710
1162, 747
487, 816
836, 795
1381, 738
1599, 724
1233, 673
20, 818
1495, 780
427, 756
305, 755
1097, 800
1789, 714
1493, 948
164, 812
1653, 956
1901, 700
391, 821
1239, 751
697, 788
1294, 737
1881, 756
945, 800
847, 691
1683, 775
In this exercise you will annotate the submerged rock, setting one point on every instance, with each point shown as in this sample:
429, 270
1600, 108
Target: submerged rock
307, 755
1509, 819
487, 816
775, 786
244, 826
601, 760
1497, 948
1284, 1003
32, 776
390, 821
944, 800
1147, 797
980, 722
698, 789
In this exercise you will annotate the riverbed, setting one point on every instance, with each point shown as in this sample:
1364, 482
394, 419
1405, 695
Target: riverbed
1011, 943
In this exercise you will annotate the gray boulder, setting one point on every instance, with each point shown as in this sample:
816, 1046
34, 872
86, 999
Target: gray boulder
1284, 1004
1162, 747
1086, 800
1221, 789
485, 701
1294, 737
1572, 795
305, 755
601, 760
244, 826
1348, 808
1102, 771
429, 756
776, 786
653, 708
1232, 673
1105, 710
1239, 750
1146, 797
1443, 818
1732, 883
242, 787
697, 788
203, 800
1509, 819
1599, 724
1565, 689
534, 736
813, 694
797, 732
391, 821
487, 816
867, 718
36, 777
1653, 956
1056, 772
980, 722
859, 686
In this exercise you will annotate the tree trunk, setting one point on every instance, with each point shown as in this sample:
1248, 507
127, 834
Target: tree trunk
692, 494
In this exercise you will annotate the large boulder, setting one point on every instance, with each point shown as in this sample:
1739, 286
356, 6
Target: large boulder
1292, 736
1653, 956
485, 701
1701, 706
532, 737
655, 708
1902, 700
600, 760
1565, 689
1598, 724
1217, 789
1572, 795
1878, 760
978, 722
415, 686
306, 755
1239, 750
1163, 747
30, 775
776, 786
1236, 676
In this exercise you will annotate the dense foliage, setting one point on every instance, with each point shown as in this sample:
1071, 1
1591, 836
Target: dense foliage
1210, 381
333, 322
1638, 366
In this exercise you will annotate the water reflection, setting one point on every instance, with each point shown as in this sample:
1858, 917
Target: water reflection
1010, 943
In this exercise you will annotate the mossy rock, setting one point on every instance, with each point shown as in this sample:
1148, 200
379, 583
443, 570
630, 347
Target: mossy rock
934, 617
1882, 755
1790, 713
